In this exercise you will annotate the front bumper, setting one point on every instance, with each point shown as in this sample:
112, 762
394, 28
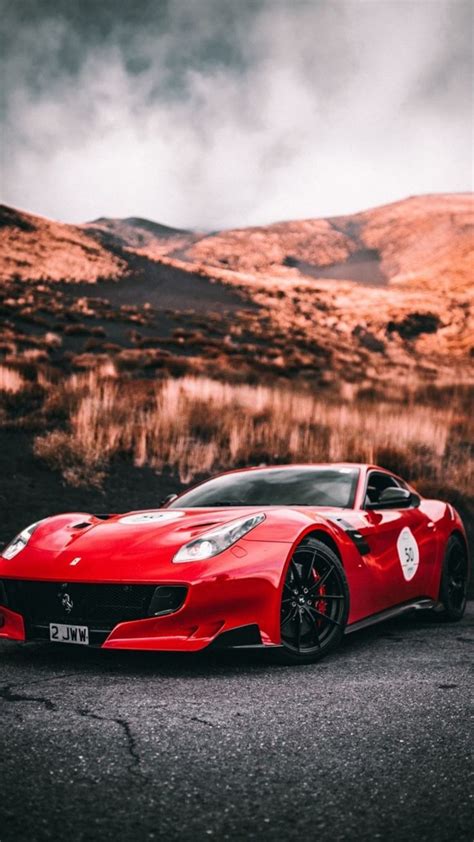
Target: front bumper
12, 627
232, 594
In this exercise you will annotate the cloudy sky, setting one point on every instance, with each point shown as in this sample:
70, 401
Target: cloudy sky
217, 113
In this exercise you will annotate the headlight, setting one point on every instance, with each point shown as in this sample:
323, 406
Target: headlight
20, 542
217, 540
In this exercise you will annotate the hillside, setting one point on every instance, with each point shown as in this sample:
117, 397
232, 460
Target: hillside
383, 295
423, 241
34, 248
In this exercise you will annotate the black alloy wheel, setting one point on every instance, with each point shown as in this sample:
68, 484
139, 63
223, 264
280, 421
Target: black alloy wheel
314, 604
454, 581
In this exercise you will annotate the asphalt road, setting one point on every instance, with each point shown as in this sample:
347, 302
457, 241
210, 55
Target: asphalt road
372, 743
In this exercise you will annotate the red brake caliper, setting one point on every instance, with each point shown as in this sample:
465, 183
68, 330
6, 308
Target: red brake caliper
320, 604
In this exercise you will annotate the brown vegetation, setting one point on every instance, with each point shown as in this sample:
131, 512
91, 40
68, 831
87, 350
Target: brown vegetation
196, 426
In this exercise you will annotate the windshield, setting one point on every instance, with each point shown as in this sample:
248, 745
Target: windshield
275, 487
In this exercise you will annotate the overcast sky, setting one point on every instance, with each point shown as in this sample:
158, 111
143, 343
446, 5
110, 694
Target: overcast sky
218, 113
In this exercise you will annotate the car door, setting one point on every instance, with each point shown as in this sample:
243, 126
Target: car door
402, 545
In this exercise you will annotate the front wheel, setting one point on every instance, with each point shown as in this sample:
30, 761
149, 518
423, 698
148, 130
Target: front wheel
314, 604
454, 581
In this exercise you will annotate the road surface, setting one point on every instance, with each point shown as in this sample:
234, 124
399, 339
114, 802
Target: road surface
373, 743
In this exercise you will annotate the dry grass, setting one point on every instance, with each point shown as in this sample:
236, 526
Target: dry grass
195, 426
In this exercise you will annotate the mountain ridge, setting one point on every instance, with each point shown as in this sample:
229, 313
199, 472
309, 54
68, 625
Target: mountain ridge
362, 298
421, 229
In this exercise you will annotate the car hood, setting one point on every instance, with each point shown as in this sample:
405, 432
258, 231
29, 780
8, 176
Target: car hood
138, 545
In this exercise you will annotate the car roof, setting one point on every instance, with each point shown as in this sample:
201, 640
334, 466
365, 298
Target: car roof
267, 467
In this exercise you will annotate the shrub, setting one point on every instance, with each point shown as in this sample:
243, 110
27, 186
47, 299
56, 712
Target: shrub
65, 453
10, 380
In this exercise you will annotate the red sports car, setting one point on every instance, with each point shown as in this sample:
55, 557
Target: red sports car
289, 558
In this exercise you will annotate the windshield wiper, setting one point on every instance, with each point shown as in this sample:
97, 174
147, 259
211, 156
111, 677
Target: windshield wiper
225, 502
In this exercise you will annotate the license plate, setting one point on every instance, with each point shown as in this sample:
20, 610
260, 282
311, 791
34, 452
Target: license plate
63, 633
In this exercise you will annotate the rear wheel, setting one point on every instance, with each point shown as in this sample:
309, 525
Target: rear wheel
454, 581
314, 604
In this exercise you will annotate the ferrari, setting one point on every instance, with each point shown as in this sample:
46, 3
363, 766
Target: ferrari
289, 558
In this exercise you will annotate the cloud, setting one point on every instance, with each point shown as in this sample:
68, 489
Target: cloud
215, 114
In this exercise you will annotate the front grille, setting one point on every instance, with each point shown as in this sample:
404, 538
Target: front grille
100, 607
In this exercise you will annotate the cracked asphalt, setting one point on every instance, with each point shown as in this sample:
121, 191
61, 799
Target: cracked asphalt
372, 743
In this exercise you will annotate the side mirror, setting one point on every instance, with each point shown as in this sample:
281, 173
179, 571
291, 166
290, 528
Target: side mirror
168, 499
395, 498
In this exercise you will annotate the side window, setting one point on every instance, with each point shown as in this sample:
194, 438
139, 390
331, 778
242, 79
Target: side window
376, 483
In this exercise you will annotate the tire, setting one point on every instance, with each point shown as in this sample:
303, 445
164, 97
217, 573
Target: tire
314, 604
454, 582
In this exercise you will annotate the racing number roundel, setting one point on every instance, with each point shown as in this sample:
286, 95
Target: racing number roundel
408, 553
152, 517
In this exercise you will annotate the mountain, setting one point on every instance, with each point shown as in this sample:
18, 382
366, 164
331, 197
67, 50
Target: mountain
421, 241
140, 235
385, 293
